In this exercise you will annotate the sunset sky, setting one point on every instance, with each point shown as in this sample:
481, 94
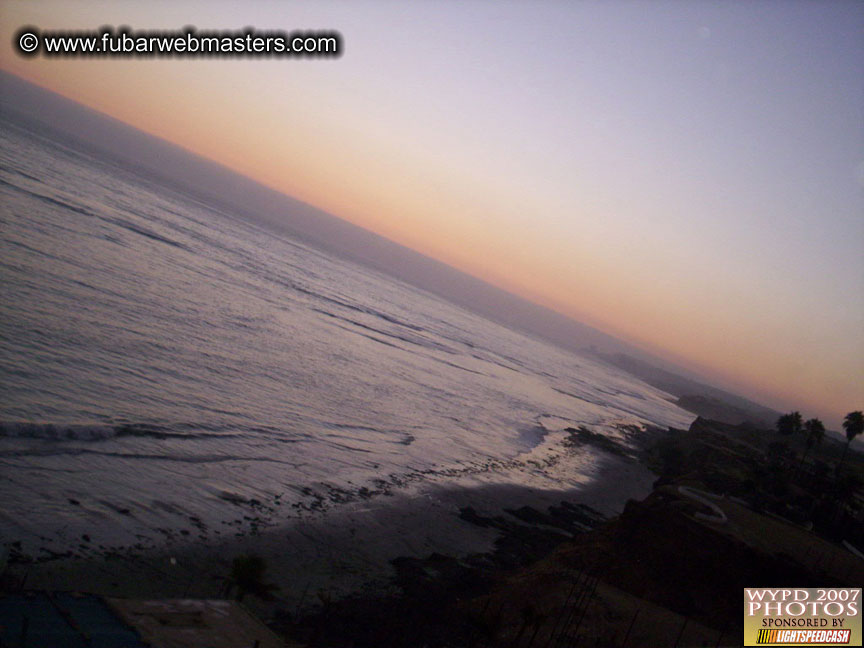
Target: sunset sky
686, 176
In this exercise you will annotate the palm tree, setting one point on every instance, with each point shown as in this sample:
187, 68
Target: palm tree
853, 424
814, 431
247, 575
789, 424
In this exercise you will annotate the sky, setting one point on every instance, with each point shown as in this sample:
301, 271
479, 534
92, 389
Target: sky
686, 176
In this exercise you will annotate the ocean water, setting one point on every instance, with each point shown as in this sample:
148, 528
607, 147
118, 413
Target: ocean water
164, 361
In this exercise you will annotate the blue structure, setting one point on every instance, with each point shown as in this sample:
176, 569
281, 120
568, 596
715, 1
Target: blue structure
67, 620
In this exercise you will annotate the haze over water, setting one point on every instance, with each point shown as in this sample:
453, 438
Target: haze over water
164, 360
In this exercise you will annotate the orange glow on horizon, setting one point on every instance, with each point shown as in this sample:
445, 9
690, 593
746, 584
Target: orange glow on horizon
383, 175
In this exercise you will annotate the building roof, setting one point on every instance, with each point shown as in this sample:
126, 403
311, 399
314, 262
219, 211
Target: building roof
75, 620
195, 623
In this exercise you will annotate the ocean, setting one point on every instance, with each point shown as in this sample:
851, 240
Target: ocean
164, 361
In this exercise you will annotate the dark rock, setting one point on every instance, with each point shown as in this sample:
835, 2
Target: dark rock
584, 436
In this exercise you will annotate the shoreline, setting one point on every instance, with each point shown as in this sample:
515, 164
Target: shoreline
349, 549
474, 559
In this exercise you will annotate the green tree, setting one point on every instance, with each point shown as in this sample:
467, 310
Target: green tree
247, 576
814, 433
789, 424
853, 425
